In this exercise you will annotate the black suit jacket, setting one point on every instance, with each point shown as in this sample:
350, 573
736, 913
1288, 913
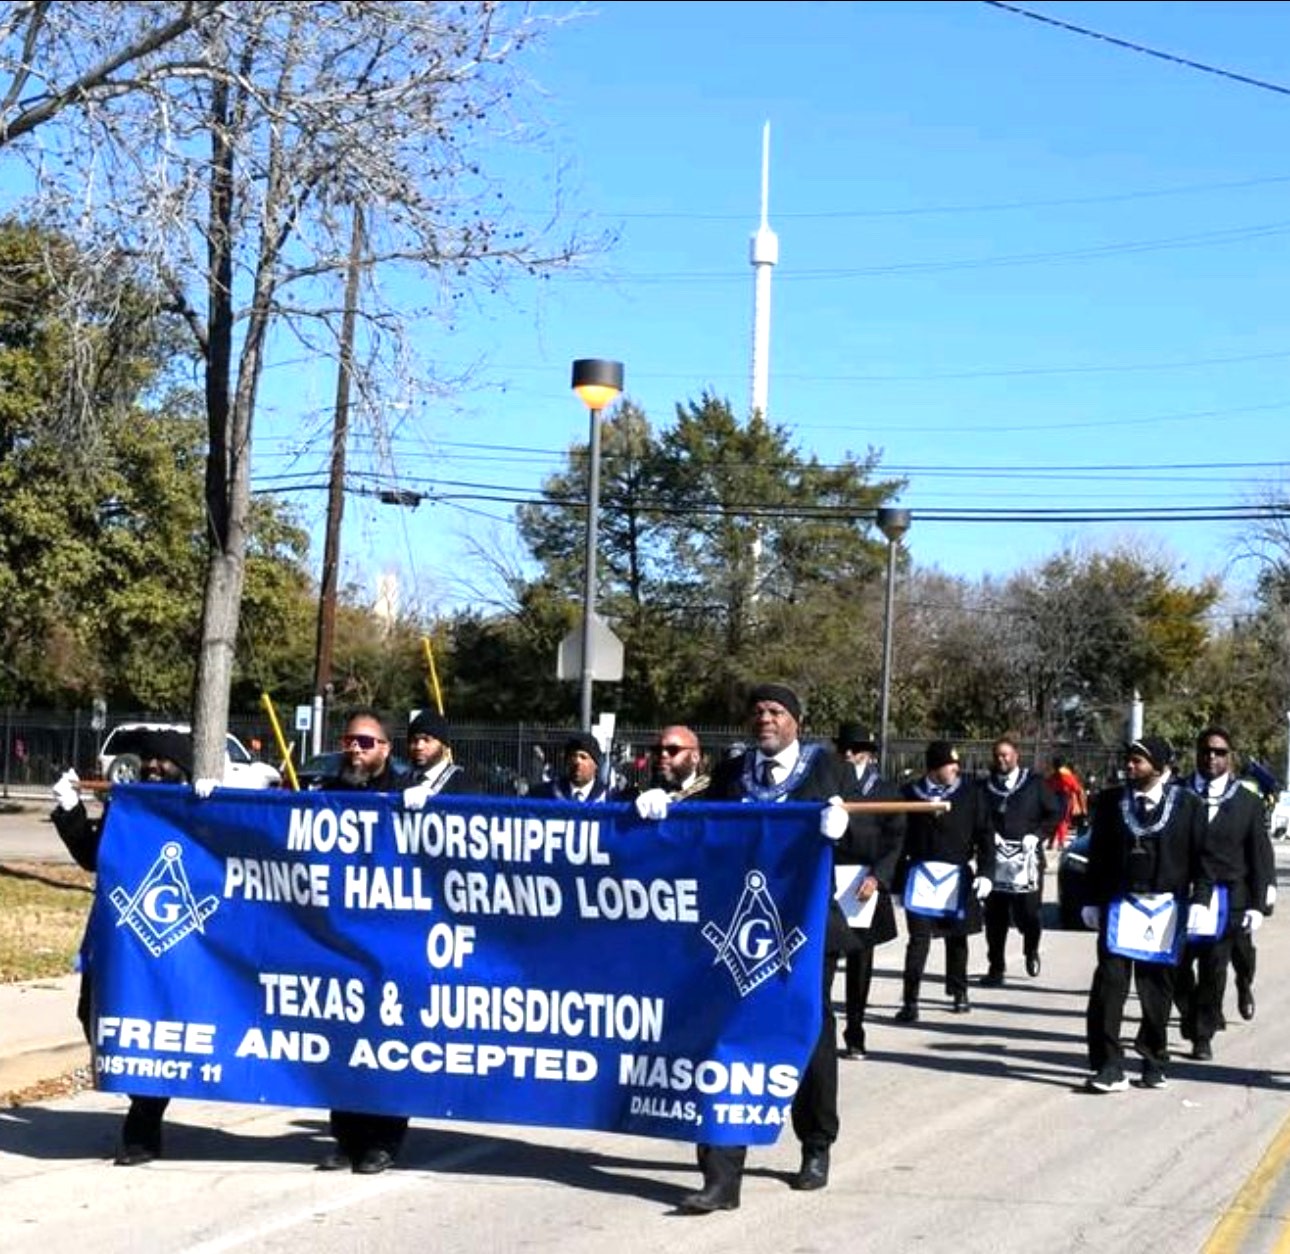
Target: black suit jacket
822, 780
877, 841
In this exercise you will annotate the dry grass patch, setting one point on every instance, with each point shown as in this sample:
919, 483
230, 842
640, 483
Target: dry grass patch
43, 908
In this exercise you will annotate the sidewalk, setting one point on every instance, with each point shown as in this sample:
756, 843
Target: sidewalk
40, 1039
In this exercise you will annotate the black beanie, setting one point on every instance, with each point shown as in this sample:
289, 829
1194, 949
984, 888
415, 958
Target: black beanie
940, 753
428, 723
1156, 749
583, 742
176, 747
780, 693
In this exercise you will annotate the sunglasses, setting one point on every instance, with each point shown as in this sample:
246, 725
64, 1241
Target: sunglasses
670, 750
1213, 751
361, 741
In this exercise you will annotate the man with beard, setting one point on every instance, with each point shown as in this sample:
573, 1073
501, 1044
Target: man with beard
165, 757
430, 757
1024, 813
1238, 861
943, 894
873, 844
676, 762
366, 1144
1144, 869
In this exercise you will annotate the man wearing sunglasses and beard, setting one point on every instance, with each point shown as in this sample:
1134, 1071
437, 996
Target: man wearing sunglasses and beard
366, 1144
676, 764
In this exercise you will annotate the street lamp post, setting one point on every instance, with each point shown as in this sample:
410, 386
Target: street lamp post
893, 523
597, 383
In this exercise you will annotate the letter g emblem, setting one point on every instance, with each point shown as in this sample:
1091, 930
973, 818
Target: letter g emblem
754, 943
160, 904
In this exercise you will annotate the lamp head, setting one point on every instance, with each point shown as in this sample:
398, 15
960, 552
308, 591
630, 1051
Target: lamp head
893, 523
597, 382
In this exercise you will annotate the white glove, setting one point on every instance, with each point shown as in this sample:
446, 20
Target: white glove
652, 804
1253, 921
1030, 842
204, 787
415, 798
1090, 917
1197, 917
834, 820
65, 790
1270, 898
982, 887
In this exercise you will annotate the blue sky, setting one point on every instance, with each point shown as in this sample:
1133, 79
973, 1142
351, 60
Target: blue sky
1011, 258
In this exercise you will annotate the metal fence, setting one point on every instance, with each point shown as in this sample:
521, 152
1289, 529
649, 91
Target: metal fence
505, 758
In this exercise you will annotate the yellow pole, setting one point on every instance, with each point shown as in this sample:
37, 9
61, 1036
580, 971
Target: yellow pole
432, 676
284, 749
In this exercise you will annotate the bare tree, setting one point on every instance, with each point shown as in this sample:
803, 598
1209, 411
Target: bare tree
231, 162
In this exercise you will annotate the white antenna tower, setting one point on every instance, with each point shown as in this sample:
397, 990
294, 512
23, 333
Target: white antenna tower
765, 255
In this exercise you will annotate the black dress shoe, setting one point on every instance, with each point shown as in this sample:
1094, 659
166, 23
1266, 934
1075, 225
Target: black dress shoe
723, 1195
814, 1172
961, 1004
337, 1160
852, 1045
908, 1013
1245, 999
373, 1162
991, 979
1032, 965
1202, 1051
135, 1155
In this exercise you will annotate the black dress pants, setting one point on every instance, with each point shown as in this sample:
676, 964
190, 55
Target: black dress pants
1200, 985
857, 979
1005, 910
916, 951
815, 1106
357, 1133
1105, 1016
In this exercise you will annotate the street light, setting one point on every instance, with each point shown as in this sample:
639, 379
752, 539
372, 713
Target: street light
597, 383
893, 523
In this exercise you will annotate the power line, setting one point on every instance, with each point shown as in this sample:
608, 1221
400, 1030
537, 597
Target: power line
1171, 57
980, 207
1225, 235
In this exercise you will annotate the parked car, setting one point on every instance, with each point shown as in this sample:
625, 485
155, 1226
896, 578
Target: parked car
119, 757
1279, 817
324, 766
1072, 880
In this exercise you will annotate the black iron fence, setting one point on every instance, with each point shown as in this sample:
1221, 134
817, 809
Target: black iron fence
38, 745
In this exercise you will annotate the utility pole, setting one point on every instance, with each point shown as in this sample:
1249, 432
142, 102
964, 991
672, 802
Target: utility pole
336, 487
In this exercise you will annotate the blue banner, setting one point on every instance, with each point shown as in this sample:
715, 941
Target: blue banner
493, 960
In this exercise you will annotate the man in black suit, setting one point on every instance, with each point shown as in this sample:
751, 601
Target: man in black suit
1144, 867
1236, 856
950, 847
366, 1144
873, 843
1024, 814
781, 768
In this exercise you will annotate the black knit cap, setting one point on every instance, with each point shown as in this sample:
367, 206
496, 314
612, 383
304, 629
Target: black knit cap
780, 693
174, 746
583, 742
940, 753
428, 723
1156, 749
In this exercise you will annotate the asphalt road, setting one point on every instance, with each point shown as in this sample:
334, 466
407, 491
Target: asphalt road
961, 1133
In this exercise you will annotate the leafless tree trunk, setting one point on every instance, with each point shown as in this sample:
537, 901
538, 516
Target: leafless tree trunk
226, 159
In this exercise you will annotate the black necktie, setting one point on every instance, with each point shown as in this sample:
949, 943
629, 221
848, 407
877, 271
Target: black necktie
1144, 807
768, 774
